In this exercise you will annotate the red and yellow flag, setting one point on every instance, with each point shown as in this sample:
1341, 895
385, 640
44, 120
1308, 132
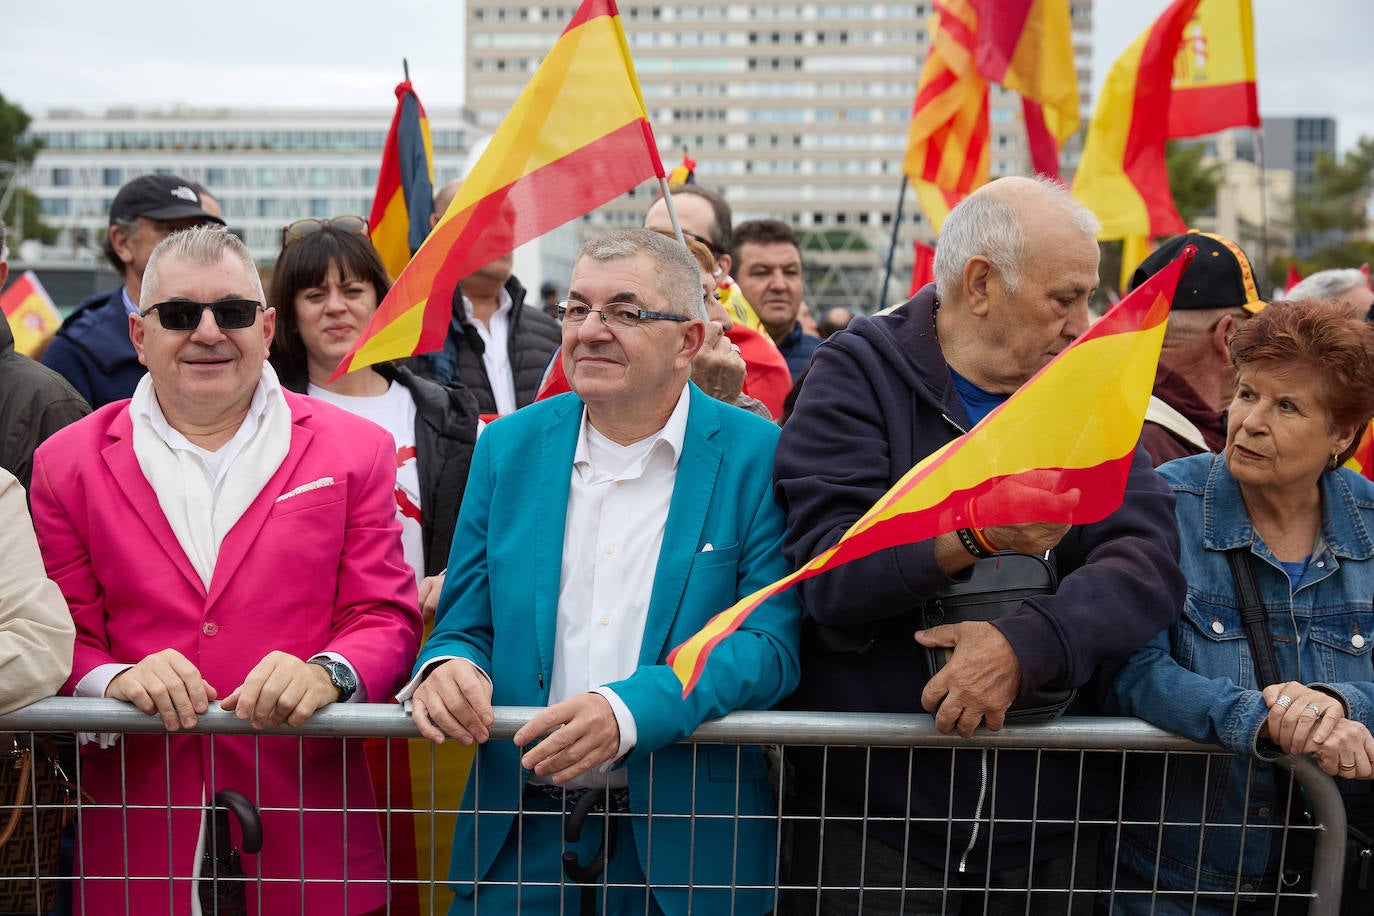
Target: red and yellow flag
577, 137
947, 143
1214, 71
404, 198
1121, 176
1058, 450
31, 315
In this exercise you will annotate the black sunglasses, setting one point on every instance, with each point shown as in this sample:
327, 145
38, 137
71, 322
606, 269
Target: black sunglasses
184, 315
710, 246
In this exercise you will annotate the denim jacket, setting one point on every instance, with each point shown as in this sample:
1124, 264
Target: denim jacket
1197, 678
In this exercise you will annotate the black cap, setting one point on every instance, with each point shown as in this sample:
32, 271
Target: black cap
548, 288
163, 197
1219, 277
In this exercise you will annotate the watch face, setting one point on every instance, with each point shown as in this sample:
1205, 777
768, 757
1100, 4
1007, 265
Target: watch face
344, 677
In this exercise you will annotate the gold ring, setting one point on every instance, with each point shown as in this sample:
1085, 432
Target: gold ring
1347, 766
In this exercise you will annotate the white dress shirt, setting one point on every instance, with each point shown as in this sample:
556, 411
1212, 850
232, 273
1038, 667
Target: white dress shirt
495, 334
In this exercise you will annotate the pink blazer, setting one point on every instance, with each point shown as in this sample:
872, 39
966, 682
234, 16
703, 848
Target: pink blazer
317, 570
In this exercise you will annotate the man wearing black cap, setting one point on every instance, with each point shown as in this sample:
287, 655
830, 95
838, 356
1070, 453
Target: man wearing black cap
92, 349
1195, 380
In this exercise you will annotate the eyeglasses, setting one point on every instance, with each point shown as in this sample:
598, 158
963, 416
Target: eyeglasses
184, 315
353, 225
613, 314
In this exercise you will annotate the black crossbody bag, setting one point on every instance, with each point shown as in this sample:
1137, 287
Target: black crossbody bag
1358, 877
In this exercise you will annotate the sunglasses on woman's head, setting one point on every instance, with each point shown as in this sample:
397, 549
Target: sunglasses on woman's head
353, 225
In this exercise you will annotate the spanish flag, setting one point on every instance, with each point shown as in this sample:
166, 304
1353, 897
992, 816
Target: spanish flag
1058, 450
1121, 176
577, 137
1214, 71
404, 198
32, 316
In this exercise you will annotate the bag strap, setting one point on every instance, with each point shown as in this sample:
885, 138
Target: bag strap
1253, 616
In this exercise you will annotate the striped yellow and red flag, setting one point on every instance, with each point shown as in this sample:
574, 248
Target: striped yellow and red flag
577, 137
404, 199
1214, 71
1121, 176
947, 143
1027, 46
32, 316
1362, 461
1058, 450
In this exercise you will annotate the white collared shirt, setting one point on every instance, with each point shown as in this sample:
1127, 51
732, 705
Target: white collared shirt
495, 334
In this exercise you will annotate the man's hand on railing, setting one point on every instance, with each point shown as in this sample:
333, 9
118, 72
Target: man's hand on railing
979, 682
164, 684
454, 700
281, 688
585, 735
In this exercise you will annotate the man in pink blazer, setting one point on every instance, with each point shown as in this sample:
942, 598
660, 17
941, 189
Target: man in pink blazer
219, 539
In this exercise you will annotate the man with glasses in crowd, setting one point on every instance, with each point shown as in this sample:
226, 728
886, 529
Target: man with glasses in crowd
92, 348
599, 530
219, 539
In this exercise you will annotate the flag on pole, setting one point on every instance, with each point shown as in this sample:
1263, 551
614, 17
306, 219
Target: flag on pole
923, 268
1214, 71
1058, 450
1122, 176
947, 143
686, 173
32, 316
1293, 279
404, 199
577, 137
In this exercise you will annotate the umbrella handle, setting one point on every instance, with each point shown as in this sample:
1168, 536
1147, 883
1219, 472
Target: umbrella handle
572, 832
227, 800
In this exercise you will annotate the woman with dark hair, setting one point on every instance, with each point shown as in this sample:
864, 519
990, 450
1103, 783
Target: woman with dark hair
327, 283
1274, 508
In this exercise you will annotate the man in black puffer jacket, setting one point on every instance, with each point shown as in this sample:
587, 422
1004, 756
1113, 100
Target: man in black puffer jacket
1016, 266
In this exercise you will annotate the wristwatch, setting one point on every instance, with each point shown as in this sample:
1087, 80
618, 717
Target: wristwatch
341, 676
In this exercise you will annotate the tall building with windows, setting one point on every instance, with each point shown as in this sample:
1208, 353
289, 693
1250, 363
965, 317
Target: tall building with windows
797, 111
266, 167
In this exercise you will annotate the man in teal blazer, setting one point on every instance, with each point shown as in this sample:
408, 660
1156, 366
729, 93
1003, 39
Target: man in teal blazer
639, 468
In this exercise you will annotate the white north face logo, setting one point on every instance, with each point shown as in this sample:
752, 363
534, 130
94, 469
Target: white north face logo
186, 194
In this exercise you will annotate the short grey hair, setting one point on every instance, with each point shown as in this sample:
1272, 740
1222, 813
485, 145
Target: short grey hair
678, 276
201, 245
983, 224
1328, 284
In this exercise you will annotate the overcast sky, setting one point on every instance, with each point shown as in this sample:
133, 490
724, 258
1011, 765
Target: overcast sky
1314, 58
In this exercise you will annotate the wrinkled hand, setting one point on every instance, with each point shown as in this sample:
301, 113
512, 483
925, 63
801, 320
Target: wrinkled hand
164, 684
1031, 538
281, 688
1294, 727
718, 369
430, 587
979, 681
453, 700
1348, 752
585, 735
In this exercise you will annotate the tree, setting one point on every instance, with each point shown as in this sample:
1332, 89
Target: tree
17, 153
1335, 200
1194, 183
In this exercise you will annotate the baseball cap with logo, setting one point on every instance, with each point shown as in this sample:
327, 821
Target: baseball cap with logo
162, 197
1219, 277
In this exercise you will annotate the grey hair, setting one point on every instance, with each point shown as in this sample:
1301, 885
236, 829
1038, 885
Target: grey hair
201, 245
983, 224
1327, 284
678, 278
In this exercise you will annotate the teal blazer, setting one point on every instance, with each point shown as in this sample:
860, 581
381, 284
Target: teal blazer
498, 609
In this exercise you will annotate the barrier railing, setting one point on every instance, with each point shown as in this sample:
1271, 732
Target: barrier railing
789, 735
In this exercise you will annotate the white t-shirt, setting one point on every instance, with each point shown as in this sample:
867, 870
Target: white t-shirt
393, 411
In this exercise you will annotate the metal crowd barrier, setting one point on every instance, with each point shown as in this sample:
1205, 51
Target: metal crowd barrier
410, 815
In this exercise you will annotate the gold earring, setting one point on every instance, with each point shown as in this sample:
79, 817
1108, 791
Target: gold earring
1335, 461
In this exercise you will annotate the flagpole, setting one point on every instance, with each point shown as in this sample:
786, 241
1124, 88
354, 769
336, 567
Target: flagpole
672, 210
892, 248
1264, 204
405, 65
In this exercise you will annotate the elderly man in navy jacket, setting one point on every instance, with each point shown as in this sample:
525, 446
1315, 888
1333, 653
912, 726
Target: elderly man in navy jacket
1016, 265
